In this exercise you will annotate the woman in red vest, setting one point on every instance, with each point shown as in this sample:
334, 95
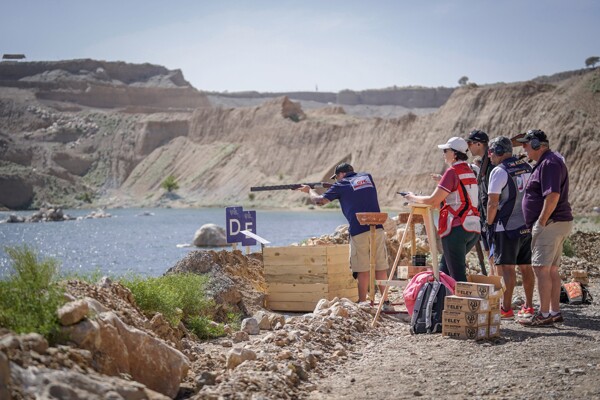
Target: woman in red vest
459, 225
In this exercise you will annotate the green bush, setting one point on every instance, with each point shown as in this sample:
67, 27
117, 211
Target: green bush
203, 328
568, 250
170, 183
30, 296
179, 297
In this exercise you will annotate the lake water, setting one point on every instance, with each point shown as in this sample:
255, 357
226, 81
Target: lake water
147, 245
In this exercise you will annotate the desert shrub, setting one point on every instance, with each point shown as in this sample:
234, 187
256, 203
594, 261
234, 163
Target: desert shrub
251, 196
568, 250
30, 296
204, 328
170, 184
179, 297
86, 197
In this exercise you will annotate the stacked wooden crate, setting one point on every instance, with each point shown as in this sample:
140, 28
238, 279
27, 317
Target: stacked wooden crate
298, 277
474, 311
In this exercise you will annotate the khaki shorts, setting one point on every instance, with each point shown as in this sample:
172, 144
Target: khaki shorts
547, 242
360, 254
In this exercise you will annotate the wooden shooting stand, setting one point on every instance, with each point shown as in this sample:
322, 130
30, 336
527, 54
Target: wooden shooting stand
372, 219
425, 212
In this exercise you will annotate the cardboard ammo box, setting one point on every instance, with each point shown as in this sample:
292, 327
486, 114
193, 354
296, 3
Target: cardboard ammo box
464, 318
465, 332
408, 271
494, 318
493, 331
466, 304
470, 289
298, 277
497, 281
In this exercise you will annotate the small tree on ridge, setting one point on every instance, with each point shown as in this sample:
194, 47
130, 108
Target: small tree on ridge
463, 80
592, 61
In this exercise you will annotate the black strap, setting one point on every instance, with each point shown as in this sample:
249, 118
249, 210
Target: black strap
467, 199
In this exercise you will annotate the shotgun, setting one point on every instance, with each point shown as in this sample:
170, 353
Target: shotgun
292, 186
480, 257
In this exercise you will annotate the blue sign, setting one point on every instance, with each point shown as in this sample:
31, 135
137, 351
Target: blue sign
249, 224
234, 218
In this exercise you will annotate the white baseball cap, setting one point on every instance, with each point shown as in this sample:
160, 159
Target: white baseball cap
455, 143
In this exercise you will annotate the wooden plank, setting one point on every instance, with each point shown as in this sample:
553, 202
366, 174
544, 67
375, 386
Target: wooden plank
292, 306
296, 297
295, 251
297, 288
299, 260
339, 268
338, 250
347, 283
294, 269
296, 278
347, 293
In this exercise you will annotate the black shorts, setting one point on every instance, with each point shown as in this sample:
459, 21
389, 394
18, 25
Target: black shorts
509, 251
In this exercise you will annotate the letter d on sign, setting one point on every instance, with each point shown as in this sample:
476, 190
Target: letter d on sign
233, 220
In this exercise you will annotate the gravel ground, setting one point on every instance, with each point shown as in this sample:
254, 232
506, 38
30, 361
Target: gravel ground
527, 363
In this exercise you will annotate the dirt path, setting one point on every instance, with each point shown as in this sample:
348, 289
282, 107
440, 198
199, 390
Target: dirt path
533, 363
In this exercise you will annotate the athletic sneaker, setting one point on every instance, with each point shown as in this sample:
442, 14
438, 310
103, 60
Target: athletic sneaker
526, 312
387, 307
538, 320
510, 314
557, 318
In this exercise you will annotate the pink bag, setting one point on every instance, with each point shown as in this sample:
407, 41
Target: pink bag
411, 291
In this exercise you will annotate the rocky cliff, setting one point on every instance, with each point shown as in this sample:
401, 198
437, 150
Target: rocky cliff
58, 149
247, 147
409, 97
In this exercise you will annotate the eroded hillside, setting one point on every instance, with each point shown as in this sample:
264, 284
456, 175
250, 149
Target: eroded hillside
60, 148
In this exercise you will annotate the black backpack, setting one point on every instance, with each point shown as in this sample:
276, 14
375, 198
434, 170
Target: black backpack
427, 313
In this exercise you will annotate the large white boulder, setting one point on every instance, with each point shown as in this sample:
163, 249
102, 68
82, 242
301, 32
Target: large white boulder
210, 235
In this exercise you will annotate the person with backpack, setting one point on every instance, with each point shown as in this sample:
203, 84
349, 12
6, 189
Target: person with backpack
459, 226
510, 237
478, 146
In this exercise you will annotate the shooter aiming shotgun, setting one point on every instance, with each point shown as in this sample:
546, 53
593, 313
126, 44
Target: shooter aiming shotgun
292, 186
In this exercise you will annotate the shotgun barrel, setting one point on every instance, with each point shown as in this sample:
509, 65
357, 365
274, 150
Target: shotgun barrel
292, 186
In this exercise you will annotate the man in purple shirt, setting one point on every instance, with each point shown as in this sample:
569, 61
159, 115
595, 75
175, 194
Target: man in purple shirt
547, 211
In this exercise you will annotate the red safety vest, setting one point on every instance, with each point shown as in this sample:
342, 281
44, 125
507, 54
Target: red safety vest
461, 203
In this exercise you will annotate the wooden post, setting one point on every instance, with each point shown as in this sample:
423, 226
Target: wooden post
373, 261
425, 211
394, 267
372, 219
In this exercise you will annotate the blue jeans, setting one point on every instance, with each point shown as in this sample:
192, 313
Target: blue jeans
456, 245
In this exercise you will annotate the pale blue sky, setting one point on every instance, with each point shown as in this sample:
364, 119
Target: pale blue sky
296, 45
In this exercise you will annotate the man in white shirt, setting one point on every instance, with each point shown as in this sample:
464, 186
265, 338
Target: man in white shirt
511, 238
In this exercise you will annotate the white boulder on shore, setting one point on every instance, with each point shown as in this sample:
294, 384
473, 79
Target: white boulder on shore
210, 235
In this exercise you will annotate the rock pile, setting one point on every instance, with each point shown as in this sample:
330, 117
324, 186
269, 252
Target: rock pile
236, 281
282, 363
43, 215
96, 214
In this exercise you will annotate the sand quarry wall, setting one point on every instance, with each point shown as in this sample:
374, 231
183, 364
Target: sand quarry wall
229, 150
